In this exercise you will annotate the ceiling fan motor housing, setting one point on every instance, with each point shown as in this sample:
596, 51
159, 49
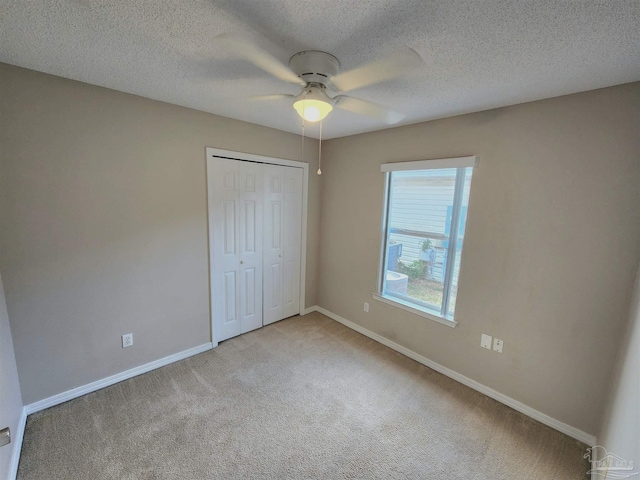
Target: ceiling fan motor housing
313, 66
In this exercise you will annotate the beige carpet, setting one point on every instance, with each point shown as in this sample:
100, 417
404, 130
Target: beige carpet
302, 398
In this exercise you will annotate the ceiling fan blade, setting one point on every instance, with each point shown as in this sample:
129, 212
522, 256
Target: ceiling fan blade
369, 109
275, 96
246, 49
391, 66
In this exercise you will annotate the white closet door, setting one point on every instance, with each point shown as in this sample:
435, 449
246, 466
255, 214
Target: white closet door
235, 203
250, 239
292, 232
282, 235
255, 219
273, 250
223, 227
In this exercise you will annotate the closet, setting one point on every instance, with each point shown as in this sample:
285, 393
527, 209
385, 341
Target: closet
255, 225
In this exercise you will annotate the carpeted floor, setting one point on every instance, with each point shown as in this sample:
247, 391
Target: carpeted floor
302, 398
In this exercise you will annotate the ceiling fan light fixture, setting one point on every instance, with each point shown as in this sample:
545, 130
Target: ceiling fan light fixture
313, 104
312, 110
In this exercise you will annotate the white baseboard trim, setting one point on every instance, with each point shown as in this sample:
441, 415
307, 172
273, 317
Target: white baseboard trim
118, 377
489, 392
17, 445
309, 310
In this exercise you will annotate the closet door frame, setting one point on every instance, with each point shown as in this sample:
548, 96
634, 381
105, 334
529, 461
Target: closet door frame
212, 153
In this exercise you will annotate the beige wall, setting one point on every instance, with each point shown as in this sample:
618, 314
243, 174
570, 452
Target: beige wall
104, 226
550, 251
620, 432
10, 397
103, 204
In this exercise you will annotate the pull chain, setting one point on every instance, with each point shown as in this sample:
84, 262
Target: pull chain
302, 151
320, 151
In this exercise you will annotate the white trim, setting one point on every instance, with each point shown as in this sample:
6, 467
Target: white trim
309, 310
458, 162
216, 152
406, 306
382, 259
118, 377
17, 445
303, 238
489, 392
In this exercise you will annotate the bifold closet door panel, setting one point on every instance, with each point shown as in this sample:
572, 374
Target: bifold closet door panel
236, 216
273, 249
250, 240
292, 237
224, 213
282, 237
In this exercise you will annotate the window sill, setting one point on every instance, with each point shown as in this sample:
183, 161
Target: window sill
413, 309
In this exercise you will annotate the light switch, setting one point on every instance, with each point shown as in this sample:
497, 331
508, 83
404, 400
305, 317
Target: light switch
485, 341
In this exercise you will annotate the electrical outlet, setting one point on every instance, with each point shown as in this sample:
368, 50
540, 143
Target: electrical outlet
485, 341
127, 340
366, 307
497, 345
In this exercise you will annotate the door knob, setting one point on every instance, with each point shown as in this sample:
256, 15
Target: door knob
280, 256
241, 262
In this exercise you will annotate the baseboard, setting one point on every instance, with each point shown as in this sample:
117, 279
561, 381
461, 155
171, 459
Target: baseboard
17, 445
489, 392
118, 377
309, 310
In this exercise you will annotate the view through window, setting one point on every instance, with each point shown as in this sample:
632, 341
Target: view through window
426, 215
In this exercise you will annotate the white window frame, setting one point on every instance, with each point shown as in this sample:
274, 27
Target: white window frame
387, 168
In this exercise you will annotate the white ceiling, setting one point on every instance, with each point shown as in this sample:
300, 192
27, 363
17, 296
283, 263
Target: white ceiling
479, 54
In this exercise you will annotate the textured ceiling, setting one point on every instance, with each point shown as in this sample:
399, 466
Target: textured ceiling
479, 54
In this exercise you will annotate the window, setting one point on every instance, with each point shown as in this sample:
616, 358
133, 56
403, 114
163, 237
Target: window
426, 212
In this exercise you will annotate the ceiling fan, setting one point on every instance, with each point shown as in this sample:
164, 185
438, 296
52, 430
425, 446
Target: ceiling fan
318, 73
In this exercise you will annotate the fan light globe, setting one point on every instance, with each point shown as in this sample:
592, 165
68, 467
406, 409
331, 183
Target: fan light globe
312, 110
313, 104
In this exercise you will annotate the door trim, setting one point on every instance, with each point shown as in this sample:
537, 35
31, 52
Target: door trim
250, 157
